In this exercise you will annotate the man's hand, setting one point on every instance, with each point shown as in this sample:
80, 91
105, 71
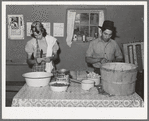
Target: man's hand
104, 60
119, 60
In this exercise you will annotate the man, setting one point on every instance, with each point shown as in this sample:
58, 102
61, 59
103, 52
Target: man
103, 49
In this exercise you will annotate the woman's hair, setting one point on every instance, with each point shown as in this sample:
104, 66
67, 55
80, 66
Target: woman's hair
37, 27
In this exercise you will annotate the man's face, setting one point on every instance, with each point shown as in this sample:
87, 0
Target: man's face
106, 35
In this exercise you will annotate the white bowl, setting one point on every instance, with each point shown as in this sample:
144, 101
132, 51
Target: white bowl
37, 79
87, 84
56, 87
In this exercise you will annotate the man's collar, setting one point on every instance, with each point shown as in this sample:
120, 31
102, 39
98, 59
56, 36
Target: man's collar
101, 40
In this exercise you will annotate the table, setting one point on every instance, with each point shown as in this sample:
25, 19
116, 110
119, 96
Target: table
74, 97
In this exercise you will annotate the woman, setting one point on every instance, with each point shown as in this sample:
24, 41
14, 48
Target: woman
41, 49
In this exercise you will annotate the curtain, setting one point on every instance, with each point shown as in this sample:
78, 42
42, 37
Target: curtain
101, 20
70, 27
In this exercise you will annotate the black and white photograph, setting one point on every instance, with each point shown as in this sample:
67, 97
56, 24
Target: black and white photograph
74, 60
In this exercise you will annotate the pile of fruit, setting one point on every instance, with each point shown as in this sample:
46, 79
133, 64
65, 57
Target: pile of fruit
93, 75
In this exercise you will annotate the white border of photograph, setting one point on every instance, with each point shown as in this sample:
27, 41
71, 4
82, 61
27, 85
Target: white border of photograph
72, 113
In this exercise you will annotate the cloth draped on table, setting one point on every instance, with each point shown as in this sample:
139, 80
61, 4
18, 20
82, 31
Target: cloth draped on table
74, 97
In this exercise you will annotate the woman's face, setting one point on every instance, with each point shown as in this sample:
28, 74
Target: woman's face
37, 33
106, 35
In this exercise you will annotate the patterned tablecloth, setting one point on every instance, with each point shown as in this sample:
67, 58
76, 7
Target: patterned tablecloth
74, 97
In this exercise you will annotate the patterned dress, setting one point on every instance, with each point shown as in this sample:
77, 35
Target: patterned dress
42, 65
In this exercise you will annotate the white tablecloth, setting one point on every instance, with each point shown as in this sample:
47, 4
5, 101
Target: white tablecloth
74, 97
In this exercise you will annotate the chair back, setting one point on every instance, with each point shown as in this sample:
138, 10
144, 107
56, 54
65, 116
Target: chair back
134, 53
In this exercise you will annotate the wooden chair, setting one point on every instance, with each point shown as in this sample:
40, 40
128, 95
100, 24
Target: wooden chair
134, 53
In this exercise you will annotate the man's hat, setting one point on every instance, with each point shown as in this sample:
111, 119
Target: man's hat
107, 25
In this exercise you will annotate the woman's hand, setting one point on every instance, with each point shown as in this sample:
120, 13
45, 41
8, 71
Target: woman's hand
48, 59
45, 59
39, 60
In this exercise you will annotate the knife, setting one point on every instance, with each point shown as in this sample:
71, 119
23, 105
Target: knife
41, 53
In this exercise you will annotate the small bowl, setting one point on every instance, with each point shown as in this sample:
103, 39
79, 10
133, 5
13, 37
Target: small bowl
37, 79
87, 84
59, 86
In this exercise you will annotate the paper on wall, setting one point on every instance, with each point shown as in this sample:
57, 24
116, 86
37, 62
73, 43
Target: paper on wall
58, 29
15, 27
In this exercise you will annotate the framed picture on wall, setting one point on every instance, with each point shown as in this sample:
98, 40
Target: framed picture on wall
15, 27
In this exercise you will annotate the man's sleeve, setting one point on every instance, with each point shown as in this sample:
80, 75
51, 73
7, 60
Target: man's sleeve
89, 51
118, 53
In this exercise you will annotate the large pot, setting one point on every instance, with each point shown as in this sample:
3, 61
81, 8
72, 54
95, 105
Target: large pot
118, 78
37, 79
